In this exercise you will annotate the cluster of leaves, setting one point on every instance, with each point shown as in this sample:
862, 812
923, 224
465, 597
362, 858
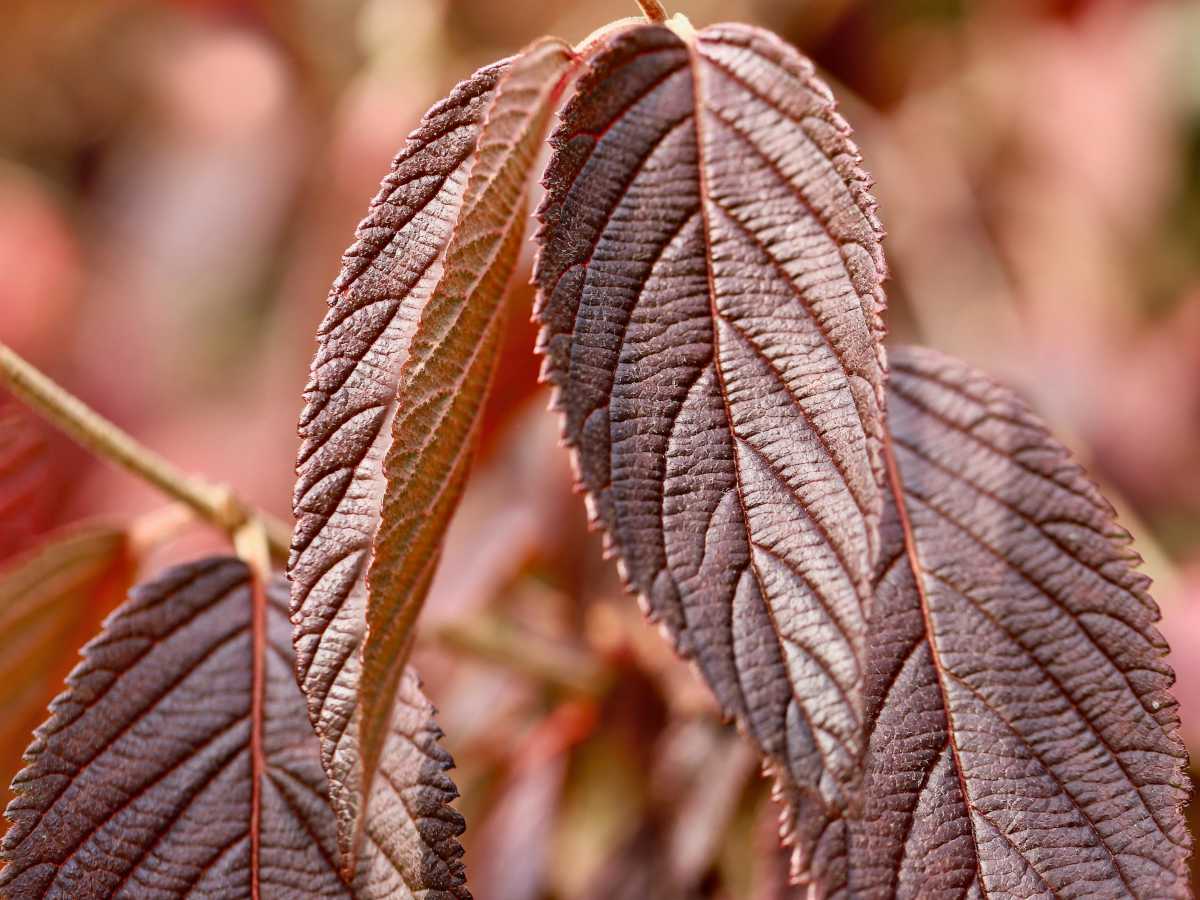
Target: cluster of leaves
915, 605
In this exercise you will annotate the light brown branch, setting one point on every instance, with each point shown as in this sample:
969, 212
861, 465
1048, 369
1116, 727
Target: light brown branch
215, 503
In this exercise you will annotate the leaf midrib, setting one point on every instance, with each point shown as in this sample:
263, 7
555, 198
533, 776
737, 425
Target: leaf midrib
695, 64
943, 672
896, 485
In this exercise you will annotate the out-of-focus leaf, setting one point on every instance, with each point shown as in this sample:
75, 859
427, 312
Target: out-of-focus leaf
445, 378
518, 836
52, 600
387, 277
1022, 738
770, 869
515, 842
634, 871
22, 477
179, 762
1180, 627
703, 794
710, 294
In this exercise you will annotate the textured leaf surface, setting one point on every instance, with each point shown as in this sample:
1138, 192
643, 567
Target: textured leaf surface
52, 600
387, 278
180, 762
445, 378
710, 294
1023, 741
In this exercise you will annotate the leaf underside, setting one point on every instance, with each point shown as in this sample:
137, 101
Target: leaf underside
445, 378
52, 599
710, 298
1022, 738
387, 278
142, 782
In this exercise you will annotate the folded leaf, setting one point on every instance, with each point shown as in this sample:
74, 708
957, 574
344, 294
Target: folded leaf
1023, 740
180, 762
434, 378
52, 599
710, 294
445, 379
387, 277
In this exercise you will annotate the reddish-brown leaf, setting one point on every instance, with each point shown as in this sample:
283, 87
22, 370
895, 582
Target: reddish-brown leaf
710, 294
416, 395
180, 762
52, 599
444, 381
387, 278
1022, 737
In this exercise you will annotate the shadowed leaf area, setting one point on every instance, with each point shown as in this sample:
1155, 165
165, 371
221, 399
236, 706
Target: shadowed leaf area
23, 477
180, 762
52, 600
710, 274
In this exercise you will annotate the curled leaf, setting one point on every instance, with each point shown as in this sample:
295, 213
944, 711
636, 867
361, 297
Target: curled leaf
387, 277
52, 599
445, 379
710, 277
1022, 737
180, 762
395, 402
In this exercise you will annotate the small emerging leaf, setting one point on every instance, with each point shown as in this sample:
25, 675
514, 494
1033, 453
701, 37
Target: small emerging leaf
180, 762
710, 294
1022, 737
52, 600
445, 378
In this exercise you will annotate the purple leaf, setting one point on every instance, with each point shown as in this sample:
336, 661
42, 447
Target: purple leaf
710, 276
180, 762
1022, 738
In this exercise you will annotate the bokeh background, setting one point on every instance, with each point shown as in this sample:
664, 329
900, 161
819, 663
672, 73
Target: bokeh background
178, 180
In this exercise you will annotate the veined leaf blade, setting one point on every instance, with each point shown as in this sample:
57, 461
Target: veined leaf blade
23, 476
710, 299
445, 379
387, 277
180, 762
1022, 736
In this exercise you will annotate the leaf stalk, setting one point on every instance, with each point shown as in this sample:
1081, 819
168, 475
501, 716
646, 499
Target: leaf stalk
215, 503
653, 10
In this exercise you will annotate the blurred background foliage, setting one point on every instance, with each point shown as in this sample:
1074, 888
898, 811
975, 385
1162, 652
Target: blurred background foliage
178, 179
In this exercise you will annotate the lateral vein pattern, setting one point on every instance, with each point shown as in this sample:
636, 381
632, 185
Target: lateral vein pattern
710, 298
1022, 738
